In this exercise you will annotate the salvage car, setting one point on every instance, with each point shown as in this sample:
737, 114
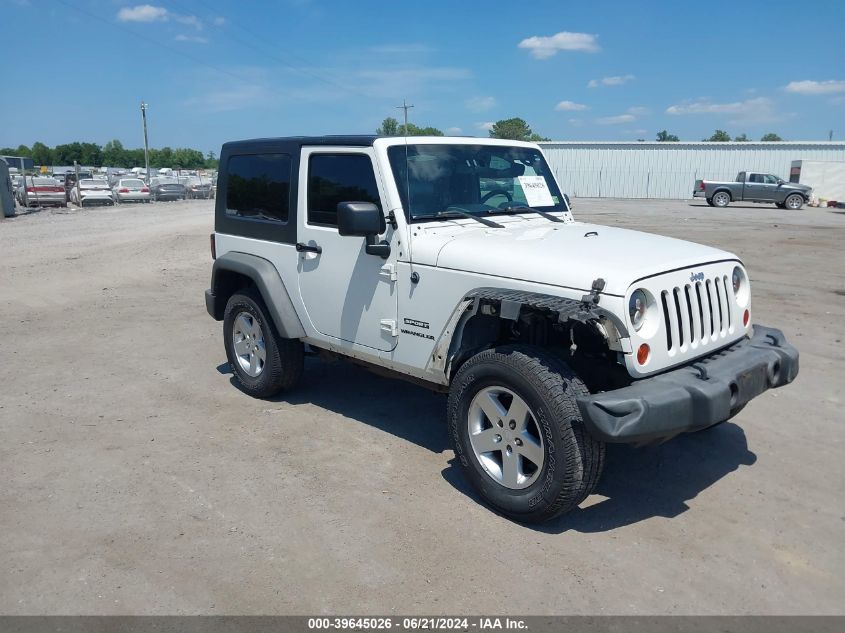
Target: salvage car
131, 190
92, 191
166, 188
753, 187
456, 263
40, 192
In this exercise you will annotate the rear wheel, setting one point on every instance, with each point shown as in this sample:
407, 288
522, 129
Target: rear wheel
710, 201
518, 435
721, 199
794, 202
263, 362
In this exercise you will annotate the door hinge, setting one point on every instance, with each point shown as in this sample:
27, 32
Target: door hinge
389, 325
389, 271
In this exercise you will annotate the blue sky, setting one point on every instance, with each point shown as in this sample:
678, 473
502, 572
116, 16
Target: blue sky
217, 70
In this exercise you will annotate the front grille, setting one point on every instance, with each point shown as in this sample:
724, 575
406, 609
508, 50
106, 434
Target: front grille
696, 314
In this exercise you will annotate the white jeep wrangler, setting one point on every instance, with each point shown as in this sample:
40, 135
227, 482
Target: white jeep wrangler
456, 263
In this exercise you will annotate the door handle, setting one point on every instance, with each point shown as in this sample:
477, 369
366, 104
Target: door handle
300, 247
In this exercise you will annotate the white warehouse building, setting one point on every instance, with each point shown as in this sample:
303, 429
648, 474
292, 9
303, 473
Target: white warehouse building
669, 170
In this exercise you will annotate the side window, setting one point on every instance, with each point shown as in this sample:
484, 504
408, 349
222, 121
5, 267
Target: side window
334, 178
758, 178
770, 180
258, 187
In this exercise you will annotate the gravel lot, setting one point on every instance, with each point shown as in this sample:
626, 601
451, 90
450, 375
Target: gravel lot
137, 479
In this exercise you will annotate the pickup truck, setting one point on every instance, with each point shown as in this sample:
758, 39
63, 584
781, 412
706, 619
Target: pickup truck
753, 187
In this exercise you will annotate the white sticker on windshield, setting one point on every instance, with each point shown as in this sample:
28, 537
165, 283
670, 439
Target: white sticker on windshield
536, 191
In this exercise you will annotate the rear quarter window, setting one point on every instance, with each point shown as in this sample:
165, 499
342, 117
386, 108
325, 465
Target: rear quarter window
258, 187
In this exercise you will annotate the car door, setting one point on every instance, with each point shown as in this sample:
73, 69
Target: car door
760, 187
348, 295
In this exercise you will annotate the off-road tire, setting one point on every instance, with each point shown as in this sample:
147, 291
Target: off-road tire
284, 357
573, 459
721, 199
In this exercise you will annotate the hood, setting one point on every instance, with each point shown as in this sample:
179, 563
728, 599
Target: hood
797, 186
566, 255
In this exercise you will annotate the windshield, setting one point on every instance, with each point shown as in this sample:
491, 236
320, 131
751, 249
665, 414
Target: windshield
92, 184
131, 182
477, 179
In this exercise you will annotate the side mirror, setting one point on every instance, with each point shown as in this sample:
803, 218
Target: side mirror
359, 218
363, 219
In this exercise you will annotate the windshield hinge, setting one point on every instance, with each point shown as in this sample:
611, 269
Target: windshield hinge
389, 271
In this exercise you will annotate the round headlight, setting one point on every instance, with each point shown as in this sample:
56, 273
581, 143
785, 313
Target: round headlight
637, 307
742, 290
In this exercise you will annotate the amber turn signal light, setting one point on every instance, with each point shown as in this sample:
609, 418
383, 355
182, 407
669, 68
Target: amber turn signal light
746, 317
643, 353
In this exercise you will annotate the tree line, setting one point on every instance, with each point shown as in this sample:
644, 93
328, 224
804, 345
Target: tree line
719, 136
112, 154
517, 129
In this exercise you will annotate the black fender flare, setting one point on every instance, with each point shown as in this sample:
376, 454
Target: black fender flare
266, 278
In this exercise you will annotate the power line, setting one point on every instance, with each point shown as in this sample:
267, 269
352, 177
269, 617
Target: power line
267, 53
164, 46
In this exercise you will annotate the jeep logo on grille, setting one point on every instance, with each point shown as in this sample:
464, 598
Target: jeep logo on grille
696, 277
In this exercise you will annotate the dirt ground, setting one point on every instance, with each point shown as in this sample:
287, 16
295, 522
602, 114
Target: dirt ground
136, 479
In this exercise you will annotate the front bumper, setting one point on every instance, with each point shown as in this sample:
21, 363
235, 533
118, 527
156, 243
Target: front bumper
690, 398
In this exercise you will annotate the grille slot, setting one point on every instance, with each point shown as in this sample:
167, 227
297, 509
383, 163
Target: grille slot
696, 313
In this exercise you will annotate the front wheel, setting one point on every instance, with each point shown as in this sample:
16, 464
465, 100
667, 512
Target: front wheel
517, 432
794, 202
263, 362
721, 199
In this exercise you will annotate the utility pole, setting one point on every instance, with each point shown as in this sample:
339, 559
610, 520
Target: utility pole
405, 106
146, 143
830, 135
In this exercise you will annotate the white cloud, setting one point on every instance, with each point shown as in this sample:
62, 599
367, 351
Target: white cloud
142, 13
189, 20
758, 110
616, 80
196, 39
543, 47
219, 21
631, 114
453, 131
616, 120
150, 13
570, 106
809, 87
576, 122
481, 104
486, 125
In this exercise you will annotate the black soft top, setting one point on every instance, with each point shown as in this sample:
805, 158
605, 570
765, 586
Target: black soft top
351, 140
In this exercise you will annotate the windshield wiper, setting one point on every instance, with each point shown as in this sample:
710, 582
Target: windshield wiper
548, 216
452, 212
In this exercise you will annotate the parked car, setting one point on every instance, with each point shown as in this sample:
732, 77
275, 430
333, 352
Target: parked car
166, 188
196, 187
131, 190
753, 187
551, 336
92, 191
40, 191
70, 181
